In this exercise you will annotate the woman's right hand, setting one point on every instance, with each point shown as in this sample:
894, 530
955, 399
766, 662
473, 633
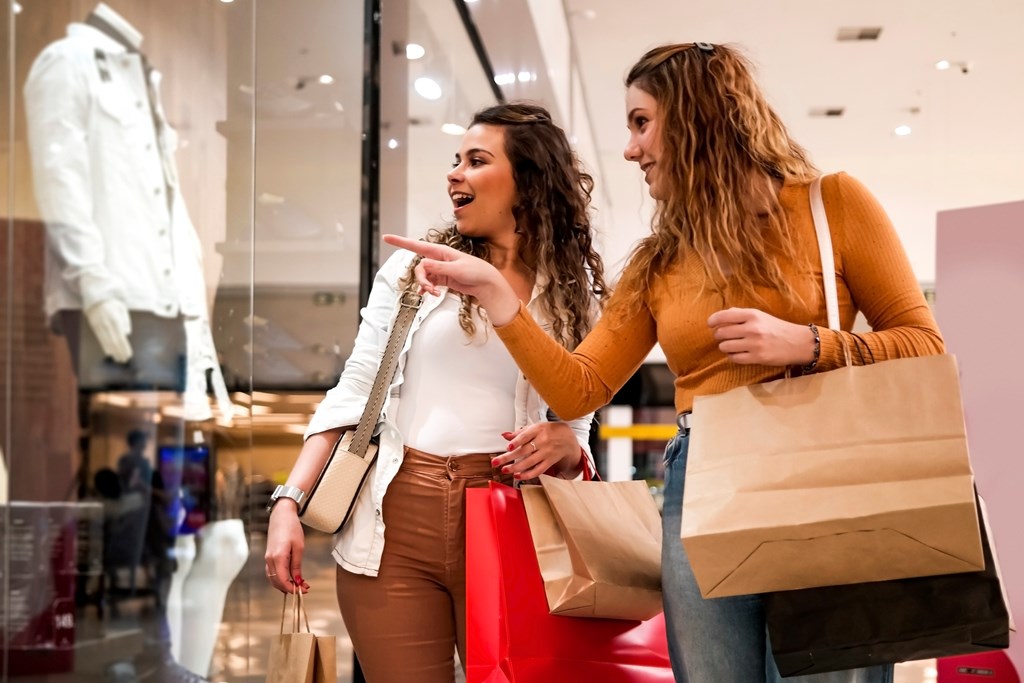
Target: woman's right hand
285, 544
443, 266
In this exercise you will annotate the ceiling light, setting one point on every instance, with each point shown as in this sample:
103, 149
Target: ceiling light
414, 51
827, 111
427, 88
527, 76
848, 33
452, 129
505, 79
392, 143
942, 64
902, 130
227, 2
16, 7
326, 79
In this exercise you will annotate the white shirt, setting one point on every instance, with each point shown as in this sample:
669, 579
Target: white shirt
358, 546
471, 384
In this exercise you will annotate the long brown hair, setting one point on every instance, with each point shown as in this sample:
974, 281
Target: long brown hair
722, 149
552, 219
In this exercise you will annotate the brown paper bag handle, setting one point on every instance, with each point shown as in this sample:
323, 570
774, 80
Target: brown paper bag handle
297, 609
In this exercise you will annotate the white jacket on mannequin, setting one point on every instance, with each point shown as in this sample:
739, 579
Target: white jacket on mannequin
98, 172
102, 174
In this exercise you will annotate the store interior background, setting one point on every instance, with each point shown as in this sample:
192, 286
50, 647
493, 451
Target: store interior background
268, 98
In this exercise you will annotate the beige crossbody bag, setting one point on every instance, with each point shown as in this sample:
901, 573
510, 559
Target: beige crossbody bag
333, 496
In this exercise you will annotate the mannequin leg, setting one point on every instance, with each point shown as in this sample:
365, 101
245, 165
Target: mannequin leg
223, 551
185, 554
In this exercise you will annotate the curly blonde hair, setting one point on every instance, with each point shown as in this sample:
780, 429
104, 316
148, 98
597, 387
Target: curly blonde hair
552, 219
723, 148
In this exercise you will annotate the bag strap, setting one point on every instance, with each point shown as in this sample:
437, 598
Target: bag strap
408, 304
297, 609
828, 264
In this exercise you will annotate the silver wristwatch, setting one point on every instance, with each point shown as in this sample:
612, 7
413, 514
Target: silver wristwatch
282, 491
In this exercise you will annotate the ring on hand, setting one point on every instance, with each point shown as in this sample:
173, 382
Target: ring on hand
534, 444
269, 574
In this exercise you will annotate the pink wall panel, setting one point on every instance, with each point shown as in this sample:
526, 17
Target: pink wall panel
979, 303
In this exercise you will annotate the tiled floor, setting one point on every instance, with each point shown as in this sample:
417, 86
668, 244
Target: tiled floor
252, 616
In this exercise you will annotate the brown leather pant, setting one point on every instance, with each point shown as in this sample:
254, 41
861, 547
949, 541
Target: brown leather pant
406, 623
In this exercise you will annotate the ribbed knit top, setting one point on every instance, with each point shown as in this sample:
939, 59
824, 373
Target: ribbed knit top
873, 275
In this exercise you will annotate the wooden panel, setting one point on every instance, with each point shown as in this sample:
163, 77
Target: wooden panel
42, 446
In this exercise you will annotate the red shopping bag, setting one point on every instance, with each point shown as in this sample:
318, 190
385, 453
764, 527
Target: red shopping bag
512, 638
985, 667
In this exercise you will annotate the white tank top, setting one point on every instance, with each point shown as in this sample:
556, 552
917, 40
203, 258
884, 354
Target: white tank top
458, 393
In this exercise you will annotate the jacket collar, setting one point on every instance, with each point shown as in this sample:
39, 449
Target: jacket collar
96, 37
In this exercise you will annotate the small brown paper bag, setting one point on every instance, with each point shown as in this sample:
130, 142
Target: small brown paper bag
849, 476
598, 545
300, 657
325, 664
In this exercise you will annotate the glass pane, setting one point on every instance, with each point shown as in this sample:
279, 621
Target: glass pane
126, 539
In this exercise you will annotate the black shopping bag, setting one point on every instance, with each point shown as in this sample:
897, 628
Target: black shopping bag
832, 628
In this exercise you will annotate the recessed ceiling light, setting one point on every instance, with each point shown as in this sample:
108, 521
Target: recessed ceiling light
452, 129
414, 51
902, 130
427, 88
859, 33
392, 143
827, 111
942, 64
505, 78
326, 79
16, 7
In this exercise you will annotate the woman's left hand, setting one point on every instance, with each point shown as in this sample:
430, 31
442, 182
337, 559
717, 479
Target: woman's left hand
752, 337
533, 450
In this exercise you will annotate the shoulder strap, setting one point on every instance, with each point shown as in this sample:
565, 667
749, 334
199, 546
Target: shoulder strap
828, 264
408, 304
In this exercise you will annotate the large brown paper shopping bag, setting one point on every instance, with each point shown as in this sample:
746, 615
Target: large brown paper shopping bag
598, 544
293, 655
854, 475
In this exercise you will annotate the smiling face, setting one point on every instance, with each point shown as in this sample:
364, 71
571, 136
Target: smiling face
481, 185
644, 145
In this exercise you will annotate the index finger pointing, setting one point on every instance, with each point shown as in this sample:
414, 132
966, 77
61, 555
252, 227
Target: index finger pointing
427, 249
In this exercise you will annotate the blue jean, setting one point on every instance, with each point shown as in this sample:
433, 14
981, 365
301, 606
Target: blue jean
719, 640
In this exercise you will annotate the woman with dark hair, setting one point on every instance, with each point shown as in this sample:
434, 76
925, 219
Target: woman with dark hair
729, 283
459, 413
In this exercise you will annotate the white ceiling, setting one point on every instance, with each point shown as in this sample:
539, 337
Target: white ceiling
967, 144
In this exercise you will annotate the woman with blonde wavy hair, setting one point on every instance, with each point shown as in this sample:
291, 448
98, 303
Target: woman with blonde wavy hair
730, 284
459, 413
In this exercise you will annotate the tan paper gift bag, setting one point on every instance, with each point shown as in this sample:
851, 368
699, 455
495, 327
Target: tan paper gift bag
854, 475
301, 657
598, 545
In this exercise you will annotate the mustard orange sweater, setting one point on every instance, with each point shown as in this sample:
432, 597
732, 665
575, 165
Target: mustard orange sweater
873, 275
